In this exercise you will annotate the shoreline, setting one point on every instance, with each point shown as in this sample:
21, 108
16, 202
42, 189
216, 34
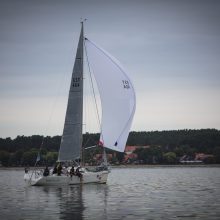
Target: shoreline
164, 165
130, 166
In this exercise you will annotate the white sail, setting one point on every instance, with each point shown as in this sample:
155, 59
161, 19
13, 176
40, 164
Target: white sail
117, 97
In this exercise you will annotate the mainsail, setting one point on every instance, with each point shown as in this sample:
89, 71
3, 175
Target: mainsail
117, 96
71, 142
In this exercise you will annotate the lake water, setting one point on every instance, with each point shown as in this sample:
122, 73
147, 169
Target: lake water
131, 193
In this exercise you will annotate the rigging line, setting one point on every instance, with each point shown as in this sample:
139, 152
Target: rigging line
51, 113
87, 141
85, 103
93, 90
90, 138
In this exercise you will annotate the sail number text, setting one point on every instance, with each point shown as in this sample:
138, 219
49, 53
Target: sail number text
76, 81
126, 84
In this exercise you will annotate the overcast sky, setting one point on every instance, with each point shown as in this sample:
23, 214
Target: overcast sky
171, 49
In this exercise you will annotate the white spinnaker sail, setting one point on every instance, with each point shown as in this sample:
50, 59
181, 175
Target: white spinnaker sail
117, 97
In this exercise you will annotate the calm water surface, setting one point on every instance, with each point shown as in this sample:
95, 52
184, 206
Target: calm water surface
131, 193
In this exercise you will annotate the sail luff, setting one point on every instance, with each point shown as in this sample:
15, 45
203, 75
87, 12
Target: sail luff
71, 142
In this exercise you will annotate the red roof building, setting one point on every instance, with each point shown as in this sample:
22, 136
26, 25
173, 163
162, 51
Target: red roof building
202, 156
131, 149
131, 156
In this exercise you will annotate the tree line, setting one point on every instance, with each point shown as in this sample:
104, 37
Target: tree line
165, 147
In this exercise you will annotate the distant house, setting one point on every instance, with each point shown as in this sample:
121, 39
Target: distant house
99, 156
131, 149
130, 157
199, 158
185, 159
202, 156
129, 153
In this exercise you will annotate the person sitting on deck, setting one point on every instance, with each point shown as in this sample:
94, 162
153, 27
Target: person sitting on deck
72, 171
59, 169
78, 172
55, 170
46, 171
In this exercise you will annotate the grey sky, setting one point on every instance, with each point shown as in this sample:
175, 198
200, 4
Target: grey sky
170, 48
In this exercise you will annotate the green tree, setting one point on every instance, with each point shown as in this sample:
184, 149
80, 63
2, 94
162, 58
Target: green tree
179, 151
150, 155
18, 157
170, 158
29, 157
216, 153
51, 158
120, 156
4, 158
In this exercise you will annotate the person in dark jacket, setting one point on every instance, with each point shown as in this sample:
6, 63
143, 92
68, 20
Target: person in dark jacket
72, 171
46, 172
78, 173
55, 170
59, 169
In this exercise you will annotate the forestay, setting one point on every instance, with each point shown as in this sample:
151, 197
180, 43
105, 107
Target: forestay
117, 96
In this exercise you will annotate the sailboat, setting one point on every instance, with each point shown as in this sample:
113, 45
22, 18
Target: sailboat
118, 107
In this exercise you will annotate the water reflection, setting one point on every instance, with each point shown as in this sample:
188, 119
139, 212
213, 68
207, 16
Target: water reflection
67, 202
95, 201
71, 202
75, 202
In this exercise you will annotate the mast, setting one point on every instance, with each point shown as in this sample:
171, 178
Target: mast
71, 142
82, 63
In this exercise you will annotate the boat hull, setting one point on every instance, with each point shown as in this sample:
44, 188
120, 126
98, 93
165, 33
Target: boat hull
88, 177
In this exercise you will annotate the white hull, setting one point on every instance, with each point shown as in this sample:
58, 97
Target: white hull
87, 177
